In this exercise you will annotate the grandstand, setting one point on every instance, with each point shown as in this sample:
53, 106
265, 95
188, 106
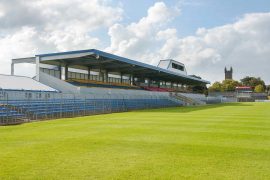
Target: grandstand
78, 83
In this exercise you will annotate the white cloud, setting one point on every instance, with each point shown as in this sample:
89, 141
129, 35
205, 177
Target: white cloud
245, 45
60, 14
20, 44
167, 34
138, 39
40, 26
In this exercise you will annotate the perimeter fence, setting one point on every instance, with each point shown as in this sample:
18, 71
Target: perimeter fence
18, 107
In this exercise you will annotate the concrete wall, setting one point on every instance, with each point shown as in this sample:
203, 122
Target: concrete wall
58, 84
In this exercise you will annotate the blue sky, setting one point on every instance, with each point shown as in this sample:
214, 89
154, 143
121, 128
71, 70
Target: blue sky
197, 13
194, 14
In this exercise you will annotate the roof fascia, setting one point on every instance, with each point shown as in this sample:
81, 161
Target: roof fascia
24, 60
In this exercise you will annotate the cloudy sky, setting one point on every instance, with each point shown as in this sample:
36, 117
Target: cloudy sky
206, 35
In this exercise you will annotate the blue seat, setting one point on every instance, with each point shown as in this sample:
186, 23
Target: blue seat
43, 108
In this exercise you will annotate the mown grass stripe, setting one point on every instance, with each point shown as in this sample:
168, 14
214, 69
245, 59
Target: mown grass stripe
226, 141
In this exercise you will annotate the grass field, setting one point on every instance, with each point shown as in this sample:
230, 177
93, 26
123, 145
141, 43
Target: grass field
227, 141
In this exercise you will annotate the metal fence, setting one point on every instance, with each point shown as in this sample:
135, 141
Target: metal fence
23, 106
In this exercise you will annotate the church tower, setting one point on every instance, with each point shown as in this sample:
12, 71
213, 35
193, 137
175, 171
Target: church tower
228, 73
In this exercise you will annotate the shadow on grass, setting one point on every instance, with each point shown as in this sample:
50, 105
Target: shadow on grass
186, 109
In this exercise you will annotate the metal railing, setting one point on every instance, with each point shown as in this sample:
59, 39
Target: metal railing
23, 106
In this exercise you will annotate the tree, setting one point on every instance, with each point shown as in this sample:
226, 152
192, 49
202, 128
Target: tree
226, 85
216, 87
252, 81
259, 88
229, 85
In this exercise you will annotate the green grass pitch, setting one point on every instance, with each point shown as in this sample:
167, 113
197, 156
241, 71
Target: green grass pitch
226, 141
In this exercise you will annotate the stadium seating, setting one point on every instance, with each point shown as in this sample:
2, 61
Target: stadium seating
10, 115
92, 83
158, 89
38, 109
260, 96
6, 112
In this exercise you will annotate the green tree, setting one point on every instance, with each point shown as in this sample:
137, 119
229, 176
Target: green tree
259, 88
229, 85
216, 87
226, 85
252, 81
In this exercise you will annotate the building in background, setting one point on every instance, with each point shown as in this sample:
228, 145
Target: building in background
228, 73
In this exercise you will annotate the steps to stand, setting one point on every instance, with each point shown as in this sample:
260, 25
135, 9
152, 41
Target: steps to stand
186, 100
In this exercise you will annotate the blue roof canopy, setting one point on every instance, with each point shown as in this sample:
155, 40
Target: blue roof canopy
96, 59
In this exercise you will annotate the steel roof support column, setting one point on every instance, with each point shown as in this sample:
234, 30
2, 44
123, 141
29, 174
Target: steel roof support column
88, 74
12, 69
106, 76
121, 77
60, 71
37, 67
148, 82
131, 79
100, 75
66, 72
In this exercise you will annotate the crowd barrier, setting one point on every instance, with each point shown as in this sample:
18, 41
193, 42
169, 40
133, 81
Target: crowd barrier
42, 105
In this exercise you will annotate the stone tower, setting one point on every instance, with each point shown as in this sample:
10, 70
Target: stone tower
228, 73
